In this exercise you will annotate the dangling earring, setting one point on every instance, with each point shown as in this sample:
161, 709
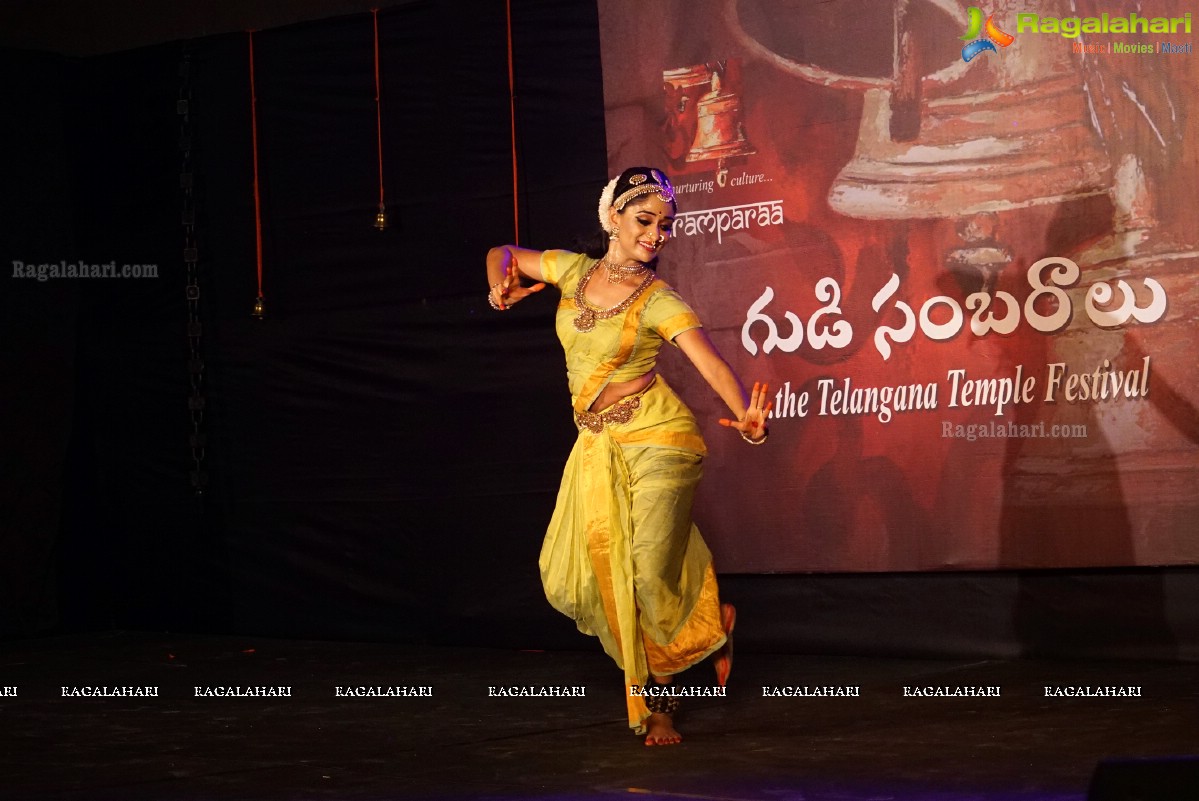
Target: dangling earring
615, 232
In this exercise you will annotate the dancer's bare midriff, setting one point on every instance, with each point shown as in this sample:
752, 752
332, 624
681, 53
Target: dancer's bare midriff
621, 389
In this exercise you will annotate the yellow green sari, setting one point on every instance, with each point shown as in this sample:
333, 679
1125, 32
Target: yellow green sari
621, 556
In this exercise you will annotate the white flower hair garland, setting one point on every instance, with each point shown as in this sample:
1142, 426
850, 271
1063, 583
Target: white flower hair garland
605, 204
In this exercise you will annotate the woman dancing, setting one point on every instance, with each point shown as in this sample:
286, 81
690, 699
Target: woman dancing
621, 556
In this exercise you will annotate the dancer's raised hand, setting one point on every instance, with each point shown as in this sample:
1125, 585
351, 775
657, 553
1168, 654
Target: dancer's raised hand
508, 290
752, 424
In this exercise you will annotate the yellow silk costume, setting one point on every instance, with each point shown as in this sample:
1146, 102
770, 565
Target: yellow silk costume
621, 556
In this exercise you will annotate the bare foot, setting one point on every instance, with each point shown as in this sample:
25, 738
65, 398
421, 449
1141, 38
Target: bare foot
723, 658
661, 731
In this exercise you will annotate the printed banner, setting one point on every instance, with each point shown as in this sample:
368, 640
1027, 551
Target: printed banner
959, 243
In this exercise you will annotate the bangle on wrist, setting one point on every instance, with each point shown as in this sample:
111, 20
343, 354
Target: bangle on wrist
765, 433
491, 297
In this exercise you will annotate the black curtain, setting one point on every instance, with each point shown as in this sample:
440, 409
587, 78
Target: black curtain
382, 450
37, 388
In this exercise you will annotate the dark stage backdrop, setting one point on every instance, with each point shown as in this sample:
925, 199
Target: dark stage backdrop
382, 451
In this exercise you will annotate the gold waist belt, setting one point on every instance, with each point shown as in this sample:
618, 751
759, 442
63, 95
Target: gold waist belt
619, 412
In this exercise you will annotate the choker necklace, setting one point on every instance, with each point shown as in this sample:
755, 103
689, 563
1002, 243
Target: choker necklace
588, 314
618, 272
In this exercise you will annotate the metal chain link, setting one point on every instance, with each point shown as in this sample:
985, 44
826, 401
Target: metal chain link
191, 259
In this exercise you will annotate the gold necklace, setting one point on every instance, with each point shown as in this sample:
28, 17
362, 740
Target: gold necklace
588, 314
618, 272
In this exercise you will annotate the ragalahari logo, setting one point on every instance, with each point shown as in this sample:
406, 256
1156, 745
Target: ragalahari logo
990, 35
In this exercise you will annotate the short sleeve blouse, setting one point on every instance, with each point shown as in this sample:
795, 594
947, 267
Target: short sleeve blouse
664, 316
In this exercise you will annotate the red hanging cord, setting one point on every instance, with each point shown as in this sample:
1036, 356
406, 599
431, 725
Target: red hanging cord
378, 108
512, 113
254, 137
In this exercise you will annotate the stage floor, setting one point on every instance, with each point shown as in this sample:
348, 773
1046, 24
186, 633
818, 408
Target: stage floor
194, 741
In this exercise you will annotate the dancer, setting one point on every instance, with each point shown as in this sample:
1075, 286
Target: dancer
622, 556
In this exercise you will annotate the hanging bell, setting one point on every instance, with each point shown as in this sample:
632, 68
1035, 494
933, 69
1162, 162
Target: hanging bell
682, 89
719, 131
932, 146
259, 309
967, 161
381, 217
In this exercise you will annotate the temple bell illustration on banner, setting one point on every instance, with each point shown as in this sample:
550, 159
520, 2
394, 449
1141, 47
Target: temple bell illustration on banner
927, 150
703, 121
1038, 130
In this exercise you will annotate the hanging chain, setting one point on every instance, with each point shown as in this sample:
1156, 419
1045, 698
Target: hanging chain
191, 259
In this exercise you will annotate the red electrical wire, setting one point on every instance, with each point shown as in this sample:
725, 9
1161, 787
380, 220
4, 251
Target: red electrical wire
254, 137
378, 106
512, 114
